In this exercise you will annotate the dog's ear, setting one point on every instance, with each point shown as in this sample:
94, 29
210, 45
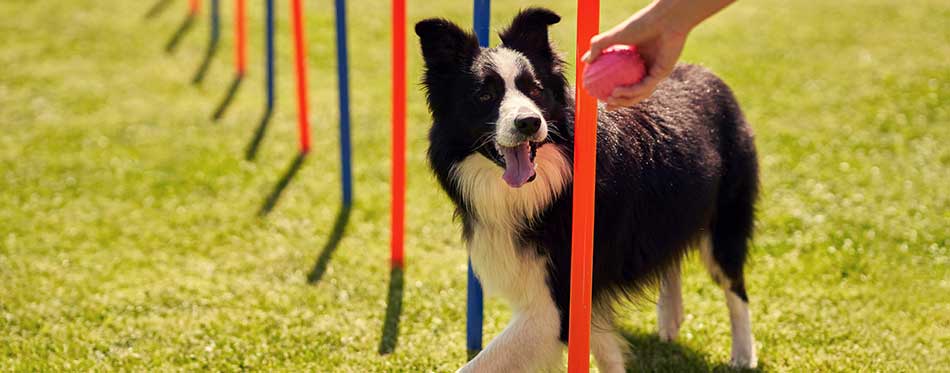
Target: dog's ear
528, 34
446, 48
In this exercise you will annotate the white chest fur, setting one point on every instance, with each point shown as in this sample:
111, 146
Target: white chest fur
500, 213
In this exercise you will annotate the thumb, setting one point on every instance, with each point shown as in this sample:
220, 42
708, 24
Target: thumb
597, 45
631, 32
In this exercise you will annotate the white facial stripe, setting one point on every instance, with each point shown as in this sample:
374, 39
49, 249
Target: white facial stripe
509, 65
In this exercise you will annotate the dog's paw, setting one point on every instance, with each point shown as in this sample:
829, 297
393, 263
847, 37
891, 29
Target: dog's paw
467, 368
743, 361
669, 320
668, 331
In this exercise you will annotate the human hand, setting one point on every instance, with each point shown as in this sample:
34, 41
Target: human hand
659, 45
659, 31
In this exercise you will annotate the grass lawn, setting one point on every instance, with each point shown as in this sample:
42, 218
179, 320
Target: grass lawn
129, 238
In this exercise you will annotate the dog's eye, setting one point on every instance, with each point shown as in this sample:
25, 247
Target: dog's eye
536, 90
485, 97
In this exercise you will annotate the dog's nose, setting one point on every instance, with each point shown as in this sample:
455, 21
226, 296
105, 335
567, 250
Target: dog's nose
528, 126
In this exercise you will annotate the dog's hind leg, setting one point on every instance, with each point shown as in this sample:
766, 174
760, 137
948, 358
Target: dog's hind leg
669, 307
731, 281
724, 249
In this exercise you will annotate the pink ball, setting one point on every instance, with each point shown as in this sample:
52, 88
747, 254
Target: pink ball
616, 66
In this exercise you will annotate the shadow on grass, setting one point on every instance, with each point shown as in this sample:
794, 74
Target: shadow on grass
387, 343
255, 143
232, 91
179, 34
652, 355
339, 227
157, 9
206, 62
274, 195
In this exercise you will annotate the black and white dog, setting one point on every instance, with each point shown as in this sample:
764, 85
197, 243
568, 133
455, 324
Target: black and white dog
676, 171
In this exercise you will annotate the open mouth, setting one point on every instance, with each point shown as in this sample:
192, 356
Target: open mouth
519, 163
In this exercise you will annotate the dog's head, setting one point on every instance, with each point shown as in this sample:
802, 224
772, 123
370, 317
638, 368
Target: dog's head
502, 102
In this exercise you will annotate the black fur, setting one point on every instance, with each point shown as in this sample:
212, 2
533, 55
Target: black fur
676, 166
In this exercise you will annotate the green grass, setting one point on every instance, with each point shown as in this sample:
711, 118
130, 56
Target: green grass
129, 241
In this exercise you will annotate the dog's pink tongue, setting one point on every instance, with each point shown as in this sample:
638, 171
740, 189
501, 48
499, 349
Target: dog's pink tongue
518, 165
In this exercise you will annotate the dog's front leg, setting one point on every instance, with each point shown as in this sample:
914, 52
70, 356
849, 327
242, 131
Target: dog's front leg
528, 344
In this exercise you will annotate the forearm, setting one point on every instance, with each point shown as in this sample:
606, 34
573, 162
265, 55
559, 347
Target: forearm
681, 16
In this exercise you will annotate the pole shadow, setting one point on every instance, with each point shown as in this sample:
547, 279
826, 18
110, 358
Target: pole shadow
336, 235
255, 143
179, 34
274, 195
652, 355
390, 335
205, 63
232, 91
212, 43
157, 9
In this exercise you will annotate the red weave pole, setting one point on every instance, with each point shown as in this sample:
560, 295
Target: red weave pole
240, 37
585, 172
194, 6
300, 57
398, 186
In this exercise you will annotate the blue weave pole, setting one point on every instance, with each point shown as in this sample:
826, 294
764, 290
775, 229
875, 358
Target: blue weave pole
212, 44
215, 21
343, 81
270, 55
270, 82
473, 321
475, 301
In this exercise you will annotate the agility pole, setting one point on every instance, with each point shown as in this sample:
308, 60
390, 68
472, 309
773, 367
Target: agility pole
269, 55
240, 57
475, 300
585, 173
240, 37
215, 37
343, 81
300, 62
269, 82
194, 6
398, 173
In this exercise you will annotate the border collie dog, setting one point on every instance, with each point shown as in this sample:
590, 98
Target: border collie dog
676, 171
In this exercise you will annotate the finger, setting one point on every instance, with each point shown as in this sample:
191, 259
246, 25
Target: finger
596, 46
586, 58
629, 91
644, 88
623, 102
591, 55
